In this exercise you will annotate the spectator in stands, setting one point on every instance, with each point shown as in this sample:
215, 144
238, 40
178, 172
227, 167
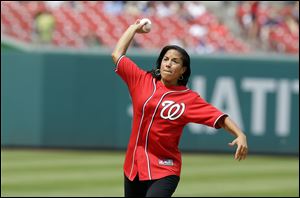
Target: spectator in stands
162, 106
44, 26
113, 7
291, 22
295, 11
254, 30
133, 8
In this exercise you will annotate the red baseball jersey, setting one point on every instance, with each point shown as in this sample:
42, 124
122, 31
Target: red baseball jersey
159, 115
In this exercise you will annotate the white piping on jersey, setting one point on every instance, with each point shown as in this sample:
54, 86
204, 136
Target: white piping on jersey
218, 119
146, 144
117, 65
140, 127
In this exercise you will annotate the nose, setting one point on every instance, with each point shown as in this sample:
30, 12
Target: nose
168, 64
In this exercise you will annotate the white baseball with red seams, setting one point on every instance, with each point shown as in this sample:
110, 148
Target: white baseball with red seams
148, 24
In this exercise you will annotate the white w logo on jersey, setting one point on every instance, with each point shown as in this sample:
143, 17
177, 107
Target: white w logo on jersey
174, 111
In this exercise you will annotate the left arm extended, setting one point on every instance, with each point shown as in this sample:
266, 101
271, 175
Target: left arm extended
240, 140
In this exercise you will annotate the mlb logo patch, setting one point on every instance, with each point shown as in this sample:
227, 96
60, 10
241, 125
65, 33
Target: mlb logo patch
165, 162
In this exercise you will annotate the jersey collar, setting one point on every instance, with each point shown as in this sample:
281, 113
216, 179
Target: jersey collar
172, 87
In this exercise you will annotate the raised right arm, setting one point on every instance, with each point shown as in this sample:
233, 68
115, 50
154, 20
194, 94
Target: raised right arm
125, 40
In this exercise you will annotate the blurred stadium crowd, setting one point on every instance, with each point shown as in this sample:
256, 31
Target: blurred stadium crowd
199, 26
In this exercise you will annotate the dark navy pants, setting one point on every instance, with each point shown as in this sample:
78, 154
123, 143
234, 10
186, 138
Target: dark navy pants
164, 187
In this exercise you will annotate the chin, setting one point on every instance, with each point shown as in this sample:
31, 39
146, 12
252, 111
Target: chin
167, 77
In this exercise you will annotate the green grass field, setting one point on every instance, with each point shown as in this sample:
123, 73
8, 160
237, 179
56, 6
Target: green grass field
99, 173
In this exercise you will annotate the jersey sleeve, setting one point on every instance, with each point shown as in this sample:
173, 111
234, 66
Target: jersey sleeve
129, 71
202, 112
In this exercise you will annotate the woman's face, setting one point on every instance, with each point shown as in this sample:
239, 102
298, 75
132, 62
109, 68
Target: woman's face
171, 68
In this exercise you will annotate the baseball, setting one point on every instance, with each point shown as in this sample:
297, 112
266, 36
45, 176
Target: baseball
147, 24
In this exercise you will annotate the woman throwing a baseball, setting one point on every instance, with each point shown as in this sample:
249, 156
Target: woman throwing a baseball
162, 106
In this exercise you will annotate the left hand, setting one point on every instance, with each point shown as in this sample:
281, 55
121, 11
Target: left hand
242, 148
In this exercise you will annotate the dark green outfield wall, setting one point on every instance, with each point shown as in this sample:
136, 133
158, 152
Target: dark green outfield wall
72, 100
